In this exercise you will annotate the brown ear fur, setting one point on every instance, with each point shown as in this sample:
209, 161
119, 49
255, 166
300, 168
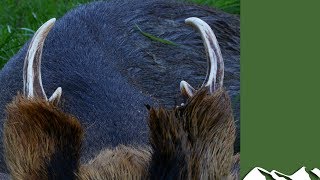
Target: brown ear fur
194, 141
40, 141
191, 142
119, 163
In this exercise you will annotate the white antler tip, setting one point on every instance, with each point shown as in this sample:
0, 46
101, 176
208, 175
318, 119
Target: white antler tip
55, 97
186, 89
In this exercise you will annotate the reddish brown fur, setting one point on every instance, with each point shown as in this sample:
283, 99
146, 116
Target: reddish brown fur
194, 141
40, 141
35, 130
120, 163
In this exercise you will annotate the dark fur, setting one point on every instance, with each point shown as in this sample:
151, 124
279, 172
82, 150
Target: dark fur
108, 70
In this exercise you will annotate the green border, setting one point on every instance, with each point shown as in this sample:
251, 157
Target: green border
280, 85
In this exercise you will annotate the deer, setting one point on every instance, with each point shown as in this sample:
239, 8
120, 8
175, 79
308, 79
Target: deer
108, 70
191, 141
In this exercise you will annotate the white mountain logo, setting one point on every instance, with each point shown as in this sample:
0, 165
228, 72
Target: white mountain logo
301, 174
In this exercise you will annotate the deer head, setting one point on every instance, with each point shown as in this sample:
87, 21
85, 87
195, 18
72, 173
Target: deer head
193, 141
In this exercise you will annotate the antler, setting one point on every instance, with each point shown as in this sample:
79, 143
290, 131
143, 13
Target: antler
32, 82
215, 71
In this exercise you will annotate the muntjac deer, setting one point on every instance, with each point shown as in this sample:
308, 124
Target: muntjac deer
108, 70
191, 141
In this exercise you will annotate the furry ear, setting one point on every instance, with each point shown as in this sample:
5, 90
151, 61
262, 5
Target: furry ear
194, 141
167, 139
211, 129
40, 141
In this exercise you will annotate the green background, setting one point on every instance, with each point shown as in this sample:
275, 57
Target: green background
280, 85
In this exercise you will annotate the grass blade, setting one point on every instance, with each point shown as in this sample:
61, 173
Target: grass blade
155, 38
